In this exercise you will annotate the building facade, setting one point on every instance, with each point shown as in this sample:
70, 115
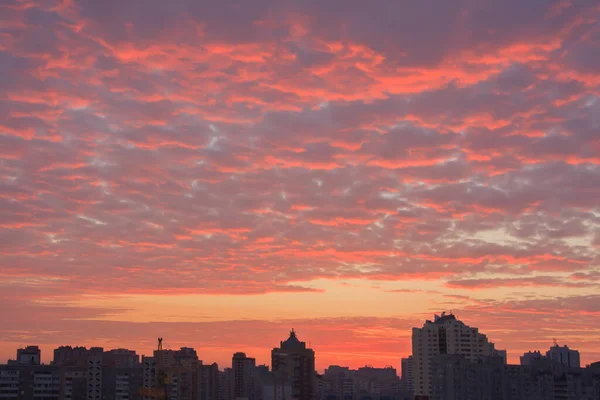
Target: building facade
243, 372
208, 382
407, 373
531, 357
294, 363
563, 355
457, 378
444, 335
30, 355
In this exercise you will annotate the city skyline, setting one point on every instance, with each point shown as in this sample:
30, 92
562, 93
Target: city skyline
243, 357
450, 361
216, 173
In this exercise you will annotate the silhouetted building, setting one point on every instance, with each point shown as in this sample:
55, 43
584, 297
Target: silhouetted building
407, 373
531, 357
150, 378
94, 376
376, 382
564, 355
30, 355
337, 383
267, 387
29, 382
172, 374
41, 382
294, 363
444, 335
185, 355
121, 365
73, 384
500, 354
121, 358
457, 378
121, 383
176, 373
226, 384
74, 356
243, 370
208, 382
78, 364
82, 374
363, 383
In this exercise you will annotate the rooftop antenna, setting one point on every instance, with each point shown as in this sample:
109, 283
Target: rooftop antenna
555, 342
160, 346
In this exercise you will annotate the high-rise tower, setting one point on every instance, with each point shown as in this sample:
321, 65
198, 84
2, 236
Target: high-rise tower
294, 363
243, 371
444, 335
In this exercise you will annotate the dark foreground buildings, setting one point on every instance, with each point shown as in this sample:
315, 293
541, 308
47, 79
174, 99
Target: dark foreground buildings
450, 361
79, 373
453, 361
75, 374
456, 378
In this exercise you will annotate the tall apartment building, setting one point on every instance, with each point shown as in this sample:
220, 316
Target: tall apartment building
149, 378
75, 356
456, 378
50, 382
226, 384
25, 382
294, 363
31, 355
73, 383
121, 358
563, 355
121, 383
94, 377
208, 382
556, 354
407, 373
339, 382
370, 381
243, 371
363, 383
9, 382
444, 335
176, 373
530, 357
267, 387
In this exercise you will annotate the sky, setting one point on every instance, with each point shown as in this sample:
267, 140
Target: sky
217, 173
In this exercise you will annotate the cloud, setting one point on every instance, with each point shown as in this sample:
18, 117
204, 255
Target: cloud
515, 282
189, 148
348, 340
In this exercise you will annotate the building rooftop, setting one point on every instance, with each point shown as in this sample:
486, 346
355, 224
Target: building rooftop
444, 318
292, 340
